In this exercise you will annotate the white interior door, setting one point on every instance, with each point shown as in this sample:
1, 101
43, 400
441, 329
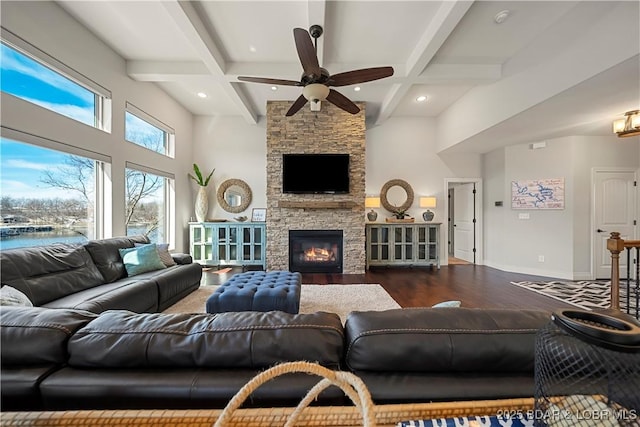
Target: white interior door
463, 216
615, 210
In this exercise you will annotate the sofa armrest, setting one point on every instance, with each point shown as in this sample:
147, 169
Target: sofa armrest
180, 258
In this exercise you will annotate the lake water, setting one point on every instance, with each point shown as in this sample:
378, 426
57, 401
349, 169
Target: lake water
58, 236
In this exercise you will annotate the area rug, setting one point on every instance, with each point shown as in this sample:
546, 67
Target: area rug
587, 295
339, 299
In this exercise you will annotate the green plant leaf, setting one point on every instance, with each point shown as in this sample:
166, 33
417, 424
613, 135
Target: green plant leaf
196, 169
209, 177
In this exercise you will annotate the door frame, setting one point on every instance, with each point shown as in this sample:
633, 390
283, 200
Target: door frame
444, 252
592, 220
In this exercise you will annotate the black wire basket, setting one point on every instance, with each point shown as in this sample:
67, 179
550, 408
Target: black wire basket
587, 370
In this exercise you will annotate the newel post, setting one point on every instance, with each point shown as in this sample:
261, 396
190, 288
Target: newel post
615, 245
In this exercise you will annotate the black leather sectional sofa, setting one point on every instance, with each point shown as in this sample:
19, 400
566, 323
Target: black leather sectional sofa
73, 359
92, 277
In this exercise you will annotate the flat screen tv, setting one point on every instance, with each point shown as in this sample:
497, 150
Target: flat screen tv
315, 173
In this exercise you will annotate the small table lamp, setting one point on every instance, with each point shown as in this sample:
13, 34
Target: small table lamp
372, 202
427, 202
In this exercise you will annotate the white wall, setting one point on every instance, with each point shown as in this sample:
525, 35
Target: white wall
405, 148
237, 150
561, 236
52, 30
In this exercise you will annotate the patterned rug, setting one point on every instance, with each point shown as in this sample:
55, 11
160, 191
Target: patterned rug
587, 295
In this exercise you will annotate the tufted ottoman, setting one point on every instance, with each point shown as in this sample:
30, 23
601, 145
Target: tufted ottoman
258, 291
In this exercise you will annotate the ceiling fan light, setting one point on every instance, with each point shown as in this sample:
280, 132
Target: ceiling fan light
315, 92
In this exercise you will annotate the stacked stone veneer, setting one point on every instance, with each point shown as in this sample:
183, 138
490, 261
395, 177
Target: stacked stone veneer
330, 130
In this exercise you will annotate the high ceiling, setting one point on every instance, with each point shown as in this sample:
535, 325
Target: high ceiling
453, 52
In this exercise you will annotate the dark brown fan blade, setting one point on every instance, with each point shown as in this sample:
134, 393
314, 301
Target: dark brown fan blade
269, 81
341, 101
306, 52
360, 76
297, 105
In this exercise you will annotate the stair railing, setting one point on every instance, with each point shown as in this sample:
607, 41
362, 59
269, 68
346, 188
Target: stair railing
616, 246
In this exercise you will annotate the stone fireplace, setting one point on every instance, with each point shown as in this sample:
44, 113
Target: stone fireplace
329, 131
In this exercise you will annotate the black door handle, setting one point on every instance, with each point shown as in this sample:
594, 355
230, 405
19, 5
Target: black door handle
601, 231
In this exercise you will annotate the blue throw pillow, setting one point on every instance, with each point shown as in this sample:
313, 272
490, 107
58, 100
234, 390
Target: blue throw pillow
141, 259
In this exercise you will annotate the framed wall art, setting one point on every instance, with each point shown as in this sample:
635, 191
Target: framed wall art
259, 215
545, 193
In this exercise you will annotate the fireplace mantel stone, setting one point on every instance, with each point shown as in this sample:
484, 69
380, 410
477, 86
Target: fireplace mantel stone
330, 130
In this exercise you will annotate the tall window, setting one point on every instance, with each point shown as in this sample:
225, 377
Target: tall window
42, 82
147, 204
146, 131
47, 196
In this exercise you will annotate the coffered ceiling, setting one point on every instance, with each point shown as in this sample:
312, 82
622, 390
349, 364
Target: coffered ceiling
452, 52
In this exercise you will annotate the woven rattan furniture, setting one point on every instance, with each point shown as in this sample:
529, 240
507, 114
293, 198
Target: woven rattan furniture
344, 416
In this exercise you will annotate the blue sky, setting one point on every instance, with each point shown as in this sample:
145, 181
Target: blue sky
22, 165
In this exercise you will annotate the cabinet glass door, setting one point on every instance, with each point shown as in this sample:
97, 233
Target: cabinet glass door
379, 243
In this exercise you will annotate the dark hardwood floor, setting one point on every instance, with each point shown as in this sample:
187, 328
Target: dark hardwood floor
474, 285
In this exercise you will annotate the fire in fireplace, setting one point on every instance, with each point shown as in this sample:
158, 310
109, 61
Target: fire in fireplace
315, 251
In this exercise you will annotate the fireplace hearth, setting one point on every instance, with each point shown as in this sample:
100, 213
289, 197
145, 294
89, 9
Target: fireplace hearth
315, 251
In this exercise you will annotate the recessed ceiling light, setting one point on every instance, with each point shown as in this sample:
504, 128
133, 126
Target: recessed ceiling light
274, 87
357, 88
501, 16
252, 49
421, 98
202, 94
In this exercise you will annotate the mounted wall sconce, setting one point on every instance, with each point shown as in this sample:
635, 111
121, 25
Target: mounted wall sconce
629, 126
428, 202
372, 202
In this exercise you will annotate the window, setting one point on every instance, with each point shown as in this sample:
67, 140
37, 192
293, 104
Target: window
33, 76
146, 131
147, 203
48, 196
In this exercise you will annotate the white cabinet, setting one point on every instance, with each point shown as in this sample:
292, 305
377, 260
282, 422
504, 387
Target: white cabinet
223, 243
403, 244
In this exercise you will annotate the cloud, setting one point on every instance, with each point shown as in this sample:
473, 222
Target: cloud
15, 61
24, 164
20, 189
84, 115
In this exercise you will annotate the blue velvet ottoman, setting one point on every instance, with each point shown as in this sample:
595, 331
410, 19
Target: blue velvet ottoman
258, 291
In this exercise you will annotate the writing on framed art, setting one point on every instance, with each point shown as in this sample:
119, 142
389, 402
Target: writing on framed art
545, 193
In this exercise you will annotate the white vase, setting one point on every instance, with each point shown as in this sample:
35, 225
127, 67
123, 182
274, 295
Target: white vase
202, 204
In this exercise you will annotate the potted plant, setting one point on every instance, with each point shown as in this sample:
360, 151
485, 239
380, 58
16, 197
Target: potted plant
202, 202
400, 214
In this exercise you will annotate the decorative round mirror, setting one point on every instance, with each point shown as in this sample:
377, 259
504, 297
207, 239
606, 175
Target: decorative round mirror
234, 195
396, 195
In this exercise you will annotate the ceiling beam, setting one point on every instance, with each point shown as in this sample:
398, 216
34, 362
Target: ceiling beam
195, 30
443, 23
165, 71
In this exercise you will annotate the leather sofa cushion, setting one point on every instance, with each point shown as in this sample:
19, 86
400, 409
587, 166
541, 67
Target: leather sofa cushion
107, 258
401, 387
46, 273
35, 335
443, 340
228, 340
173, 388
140, 296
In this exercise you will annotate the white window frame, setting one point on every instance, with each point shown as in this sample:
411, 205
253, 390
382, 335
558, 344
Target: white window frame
169, 199
169, 132
103, 103
102, 181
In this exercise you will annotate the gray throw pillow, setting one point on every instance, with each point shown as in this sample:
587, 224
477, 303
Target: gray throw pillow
12, 296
